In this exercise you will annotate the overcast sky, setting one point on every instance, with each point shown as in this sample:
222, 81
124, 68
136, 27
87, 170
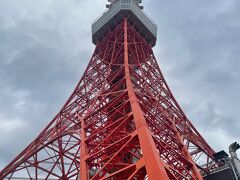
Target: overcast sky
45, 45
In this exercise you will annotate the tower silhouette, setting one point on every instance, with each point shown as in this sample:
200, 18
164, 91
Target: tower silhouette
121, 121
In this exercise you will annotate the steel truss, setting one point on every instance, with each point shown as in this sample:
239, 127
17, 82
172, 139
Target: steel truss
121, 122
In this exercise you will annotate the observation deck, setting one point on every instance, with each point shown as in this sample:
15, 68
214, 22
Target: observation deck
118, 9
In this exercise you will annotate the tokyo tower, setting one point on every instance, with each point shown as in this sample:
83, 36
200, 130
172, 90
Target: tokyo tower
121, 121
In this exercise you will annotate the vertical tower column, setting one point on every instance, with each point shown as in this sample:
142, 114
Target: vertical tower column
83, 153
155, 167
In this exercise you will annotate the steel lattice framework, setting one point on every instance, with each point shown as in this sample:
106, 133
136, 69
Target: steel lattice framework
121, 122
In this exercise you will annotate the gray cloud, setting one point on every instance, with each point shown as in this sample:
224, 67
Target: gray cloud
46, 45
199, 51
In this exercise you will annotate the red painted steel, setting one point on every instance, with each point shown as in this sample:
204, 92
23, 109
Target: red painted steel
121, 122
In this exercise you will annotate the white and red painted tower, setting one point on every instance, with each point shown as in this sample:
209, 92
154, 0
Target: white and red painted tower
121, 121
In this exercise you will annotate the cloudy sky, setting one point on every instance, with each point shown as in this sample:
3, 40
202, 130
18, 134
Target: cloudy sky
45, 45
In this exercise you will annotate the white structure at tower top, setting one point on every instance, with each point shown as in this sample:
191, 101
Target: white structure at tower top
116, 11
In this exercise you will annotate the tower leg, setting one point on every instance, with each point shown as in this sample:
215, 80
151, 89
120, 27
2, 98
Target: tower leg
154, 165
83, 152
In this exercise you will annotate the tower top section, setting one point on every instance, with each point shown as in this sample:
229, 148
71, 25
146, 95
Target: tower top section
119, 9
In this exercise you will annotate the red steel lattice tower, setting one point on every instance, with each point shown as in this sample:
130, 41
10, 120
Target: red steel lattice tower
121, 121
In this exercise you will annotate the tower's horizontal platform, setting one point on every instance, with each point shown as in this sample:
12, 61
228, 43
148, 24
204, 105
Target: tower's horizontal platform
118, 10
